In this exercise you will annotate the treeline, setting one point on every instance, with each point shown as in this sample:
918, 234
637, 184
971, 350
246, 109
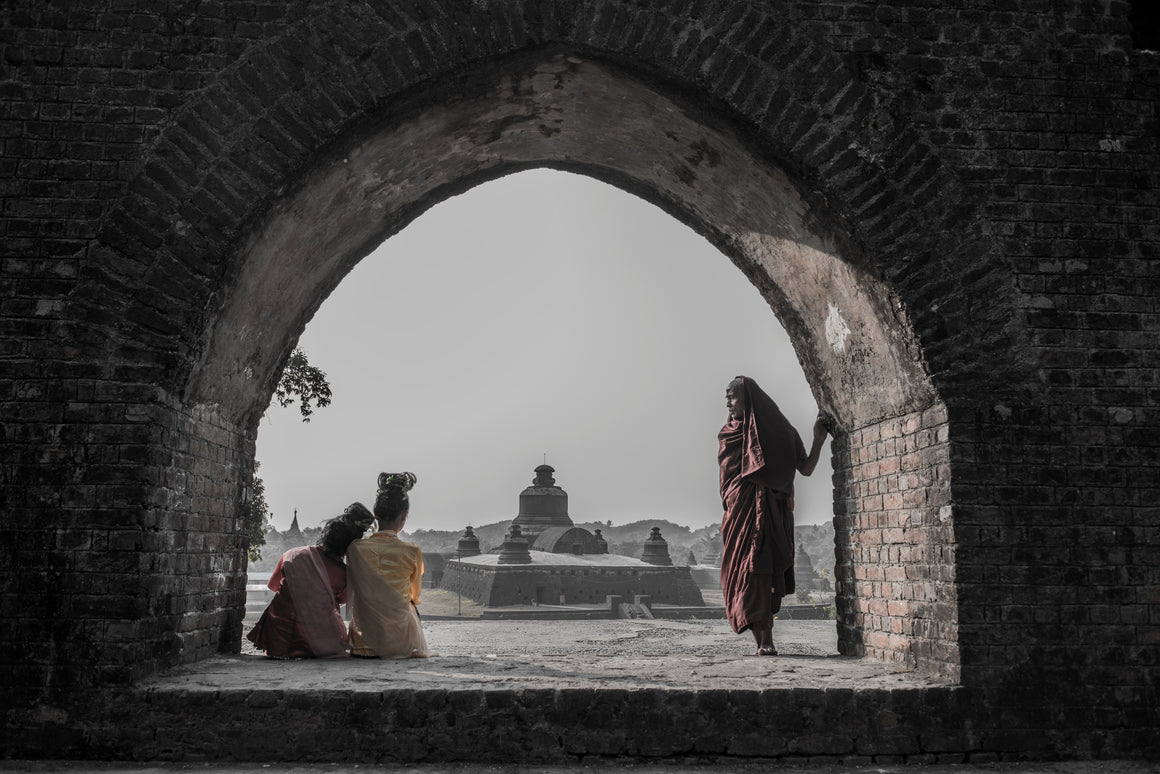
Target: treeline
817, 540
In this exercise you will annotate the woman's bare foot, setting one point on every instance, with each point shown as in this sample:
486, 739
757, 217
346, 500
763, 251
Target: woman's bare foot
766, 650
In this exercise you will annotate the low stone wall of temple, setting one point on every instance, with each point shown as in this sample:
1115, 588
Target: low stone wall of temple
472, 581
531, 584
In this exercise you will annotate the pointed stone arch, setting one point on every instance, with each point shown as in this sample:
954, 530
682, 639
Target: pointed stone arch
291, 102
269, 185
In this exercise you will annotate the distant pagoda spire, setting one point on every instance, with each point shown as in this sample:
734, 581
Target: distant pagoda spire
294, 532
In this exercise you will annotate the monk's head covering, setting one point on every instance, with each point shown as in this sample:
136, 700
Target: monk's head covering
769, 444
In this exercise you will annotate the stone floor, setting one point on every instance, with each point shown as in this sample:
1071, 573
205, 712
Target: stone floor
650, 696
659, 653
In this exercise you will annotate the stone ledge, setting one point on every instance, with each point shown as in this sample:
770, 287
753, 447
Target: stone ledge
529, 691
536, 707
231, 675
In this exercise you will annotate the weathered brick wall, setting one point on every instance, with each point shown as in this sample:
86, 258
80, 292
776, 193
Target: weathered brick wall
994, 165
361, 722
895, 564
1051, 117
142, 566
202, 566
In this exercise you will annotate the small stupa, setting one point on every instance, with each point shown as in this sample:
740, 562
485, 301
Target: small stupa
656, 549
805, 577
468, 544
713, 553
601, 543
515, 547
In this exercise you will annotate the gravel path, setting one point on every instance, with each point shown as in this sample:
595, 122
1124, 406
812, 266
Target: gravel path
621, 637
476, 637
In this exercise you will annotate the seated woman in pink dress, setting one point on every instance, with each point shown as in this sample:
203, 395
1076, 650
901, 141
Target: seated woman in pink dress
309, 583
385, 580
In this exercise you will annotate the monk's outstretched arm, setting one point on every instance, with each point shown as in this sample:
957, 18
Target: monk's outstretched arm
806, 466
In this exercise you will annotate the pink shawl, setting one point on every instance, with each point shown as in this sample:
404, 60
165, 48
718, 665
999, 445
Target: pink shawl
314, 602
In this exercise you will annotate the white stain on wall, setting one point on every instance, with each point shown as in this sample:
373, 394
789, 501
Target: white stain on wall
836, 330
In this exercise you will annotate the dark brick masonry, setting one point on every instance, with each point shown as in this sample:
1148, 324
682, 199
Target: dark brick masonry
951, 206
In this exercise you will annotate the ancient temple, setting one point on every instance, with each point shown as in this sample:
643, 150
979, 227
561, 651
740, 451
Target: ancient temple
545, 559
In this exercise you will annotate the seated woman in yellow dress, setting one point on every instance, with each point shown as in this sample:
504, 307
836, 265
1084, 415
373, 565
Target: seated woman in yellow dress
384, 578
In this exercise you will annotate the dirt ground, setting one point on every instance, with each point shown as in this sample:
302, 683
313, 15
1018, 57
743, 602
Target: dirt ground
453, 634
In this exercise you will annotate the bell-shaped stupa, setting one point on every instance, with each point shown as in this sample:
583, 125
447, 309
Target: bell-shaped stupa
543, 505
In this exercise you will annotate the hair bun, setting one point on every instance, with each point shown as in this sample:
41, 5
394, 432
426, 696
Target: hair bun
400, 481
358, 515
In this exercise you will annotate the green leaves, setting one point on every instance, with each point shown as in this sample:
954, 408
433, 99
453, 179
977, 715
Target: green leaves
303, 383
257, 517
300, 383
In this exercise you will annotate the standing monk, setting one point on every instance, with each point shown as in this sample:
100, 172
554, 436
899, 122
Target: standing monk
758, 454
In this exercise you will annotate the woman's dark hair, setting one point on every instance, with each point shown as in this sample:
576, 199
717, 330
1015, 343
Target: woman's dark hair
392, 500
337, 535
359, 515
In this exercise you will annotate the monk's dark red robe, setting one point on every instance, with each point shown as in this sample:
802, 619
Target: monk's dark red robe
758, 456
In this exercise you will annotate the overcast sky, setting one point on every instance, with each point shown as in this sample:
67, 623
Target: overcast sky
544, 313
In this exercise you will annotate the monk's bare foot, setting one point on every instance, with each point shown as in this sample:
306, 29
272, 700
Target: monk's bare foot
764, 641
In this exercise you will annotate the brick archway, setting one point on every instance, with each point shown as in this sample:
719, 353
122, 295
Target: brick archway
303, 155
235, 150
844, 220
974, 188
557, 109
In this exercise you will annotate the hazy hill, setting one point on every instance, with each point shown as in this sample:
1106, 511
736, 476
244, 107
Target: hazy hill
817, 540
628, 539
442, 541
